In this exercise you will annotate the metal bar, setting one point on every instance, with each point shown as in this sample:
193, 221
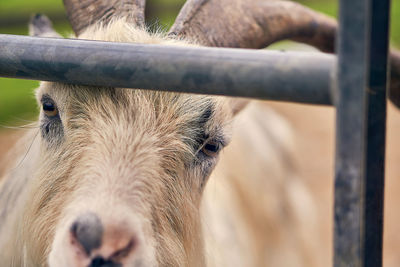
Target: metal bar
285, 76
376, 131
360, 137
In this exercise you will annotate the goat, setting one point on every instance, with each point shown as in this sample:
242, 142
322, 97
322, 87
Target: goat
115, 177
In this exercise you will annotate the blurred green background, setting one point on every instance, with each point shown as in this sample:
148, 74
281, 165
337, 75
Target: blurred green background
17, 105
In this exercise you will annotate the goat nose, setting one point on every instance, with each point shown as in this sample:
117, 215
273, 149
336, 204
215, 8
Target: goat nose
101, 243
87, 230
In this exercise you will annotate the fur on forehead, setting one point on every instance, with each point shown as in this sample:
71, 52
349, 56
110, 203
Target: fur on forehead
119, 30
186, 116
88, 99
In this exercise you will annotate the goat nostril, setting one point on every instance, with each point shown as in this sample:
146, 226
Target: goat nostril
88, 231
124, 252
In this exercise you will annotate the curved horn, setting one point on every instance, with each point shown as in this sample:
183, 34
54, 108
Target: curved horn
83, 13
253, 24
259, 23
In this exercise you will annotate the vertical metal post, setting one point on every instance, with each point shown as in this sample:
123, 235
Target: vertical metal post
360, 136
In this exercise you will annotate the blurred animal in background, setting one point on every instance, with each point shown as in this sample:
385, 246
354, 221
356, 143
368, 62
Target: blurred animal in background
119, 177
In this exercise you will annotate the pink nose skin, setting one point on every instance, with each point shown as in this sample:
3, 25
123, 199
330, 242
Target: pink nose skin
95, 245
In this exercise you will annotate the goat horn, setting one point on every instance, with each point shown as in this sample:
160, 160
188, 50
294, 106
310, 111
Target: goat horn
83, 13
253, 24
259, 23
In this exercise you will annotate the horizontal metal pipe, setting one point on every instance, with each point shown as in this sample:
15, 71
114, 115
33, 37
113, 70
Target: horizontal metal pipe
285, 76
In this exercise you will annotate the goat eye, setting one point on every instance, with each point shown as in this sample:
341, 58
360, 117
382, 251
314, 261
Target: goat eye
211, 149
49, 109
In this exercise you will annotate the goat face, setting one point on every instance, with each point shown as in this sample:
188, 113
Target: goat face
121, 175
121, 171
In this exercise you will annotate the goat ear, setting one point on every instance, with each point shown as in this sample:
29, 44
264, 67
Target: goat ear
238, 104
41, 26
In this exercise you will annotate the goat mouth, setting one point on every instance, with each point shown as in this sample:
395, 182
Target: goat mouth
101, 262
115, 259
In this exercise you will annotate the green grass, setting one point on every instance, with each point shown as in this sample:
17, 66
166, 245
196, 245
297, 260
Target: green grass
62, 28
17, 102
25, 8
328, 7
395, 24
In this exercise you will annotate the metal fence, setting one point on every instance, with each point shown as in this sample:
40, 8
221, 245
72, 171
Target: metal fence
356, 84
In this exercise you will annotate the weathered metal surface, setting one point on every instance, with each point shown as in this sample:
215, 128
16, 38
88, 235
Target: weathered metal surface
360, 137
376, 133
285, 76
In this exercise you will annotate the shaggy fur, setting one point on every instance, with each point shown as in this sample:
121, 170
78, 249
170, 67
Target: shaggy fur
135, 159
